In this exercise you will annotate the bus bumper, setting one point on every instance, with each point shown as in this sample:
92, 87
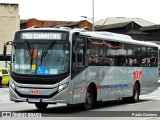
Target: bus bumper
56, 97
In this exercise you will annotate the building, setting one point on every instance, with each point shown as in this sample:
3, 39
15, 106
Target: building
31, 23
49, 23
46, 23
9, 23
153, 31
84, 24
115, 20
129, 28
39, 23
137, 28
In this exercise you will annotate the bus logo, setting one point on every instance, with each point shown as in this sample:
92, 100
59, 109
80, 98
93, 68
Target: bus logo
137, 75
34, 92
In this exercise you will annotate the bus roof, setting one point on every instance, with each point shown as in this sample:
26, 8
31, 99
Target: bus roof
100, 35
159, 47
117, 38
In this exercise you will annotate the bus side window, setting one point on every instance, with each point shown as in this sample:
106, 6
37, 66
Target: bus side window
73, 57
132, 53
78, 58
153, 57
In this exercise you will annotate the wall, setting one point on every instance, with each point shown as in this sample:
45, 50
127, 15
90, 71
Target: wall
85, 24
9, 23
34, 22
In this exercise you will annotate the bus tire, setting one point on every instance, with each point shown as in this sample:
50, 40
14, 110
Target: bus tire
126, 99
90, 99
135, 97
0, 80
41, 105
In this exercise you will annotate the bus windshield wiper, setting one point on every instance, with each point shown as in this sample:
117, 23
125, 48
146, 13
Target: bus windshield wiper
29, 50
28, 46
44, 52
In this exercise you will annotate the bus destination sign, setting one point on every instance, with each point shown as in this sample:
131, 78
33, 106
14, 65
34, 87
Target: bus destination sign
41, 35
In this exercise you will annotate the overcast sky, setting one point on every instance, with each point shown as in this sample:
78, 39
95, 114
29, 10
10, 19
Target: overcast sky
72, 10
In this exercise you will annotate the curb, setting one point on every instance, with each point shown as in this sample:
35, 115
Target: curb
4, 90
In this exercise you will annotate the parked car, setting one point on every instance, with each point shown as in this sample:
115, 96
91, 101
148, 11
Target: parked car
4, 76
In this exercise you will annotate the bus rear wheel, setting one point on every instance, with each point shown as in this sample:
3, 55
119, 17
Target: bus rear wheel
135, 97
41, 105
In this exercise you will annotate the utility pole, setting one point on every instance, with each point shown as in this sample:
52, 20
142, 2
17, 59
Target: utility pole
93, 15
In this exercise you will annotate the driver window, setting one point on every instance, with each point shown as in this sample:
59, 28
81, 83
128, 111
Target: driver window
78, 53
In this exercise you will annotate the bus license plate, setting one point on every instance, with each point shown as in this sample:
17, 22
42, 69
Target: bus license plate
34, 99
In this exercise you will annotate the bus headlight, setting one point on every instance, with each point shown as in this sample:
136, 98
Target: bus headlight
62, 87
12, 85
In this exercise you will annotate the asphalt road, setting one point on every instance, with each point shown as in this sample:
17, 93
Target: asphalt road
146, 109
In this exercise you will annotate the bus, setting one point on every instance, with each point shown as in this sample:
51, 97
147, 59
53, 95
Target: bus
159, 62
74, 66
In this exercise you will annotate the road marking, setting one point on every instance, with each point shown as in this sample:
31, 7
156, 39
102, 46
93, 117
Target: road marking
4, 91
140, 103
146, 97
157, 98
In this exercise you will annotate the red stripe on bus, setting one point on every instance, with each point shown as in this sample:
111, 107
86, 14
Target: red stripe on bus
86, 87
98, 86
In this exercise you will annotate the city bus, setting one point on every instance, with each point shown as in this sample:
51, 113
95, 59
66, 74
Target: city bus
74, 66
159, 62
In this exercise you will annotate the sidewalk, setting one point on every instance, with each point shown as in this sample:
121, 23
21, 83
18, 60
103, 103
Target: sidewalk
4, 95
4, 89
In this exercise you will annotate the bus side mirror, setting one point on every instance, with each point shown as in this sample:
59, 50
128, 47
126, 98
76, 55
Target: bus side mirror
80, 57
88, 52
81, 45
4, 51
73, 57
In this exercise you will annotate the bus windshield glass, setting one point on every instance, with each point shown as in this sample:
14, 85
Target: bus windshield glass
49, 58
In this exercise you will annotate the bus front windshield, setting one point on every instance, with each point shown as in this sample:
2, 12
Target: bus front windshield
40, 59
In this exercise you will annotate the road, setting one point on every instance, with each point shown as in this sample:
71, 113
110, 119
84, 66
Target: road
115, 109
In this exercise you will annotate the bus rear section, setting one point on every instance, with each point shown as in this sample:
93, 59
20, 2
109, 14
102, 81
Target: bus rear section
110, 67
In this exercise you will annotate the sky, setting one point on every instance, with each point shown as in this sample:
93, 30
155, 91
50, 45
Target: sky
72, 10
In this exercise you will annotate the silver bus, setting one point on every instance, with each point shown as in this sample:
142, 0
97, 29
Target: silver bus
73, 66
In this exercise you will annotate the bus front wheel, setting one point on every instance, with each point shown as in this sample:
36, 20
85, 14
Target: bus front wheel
90, 99
41, 105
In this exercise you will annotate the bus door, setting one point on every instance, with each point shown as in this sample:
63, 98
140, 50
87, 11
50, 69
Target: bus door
78, 68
